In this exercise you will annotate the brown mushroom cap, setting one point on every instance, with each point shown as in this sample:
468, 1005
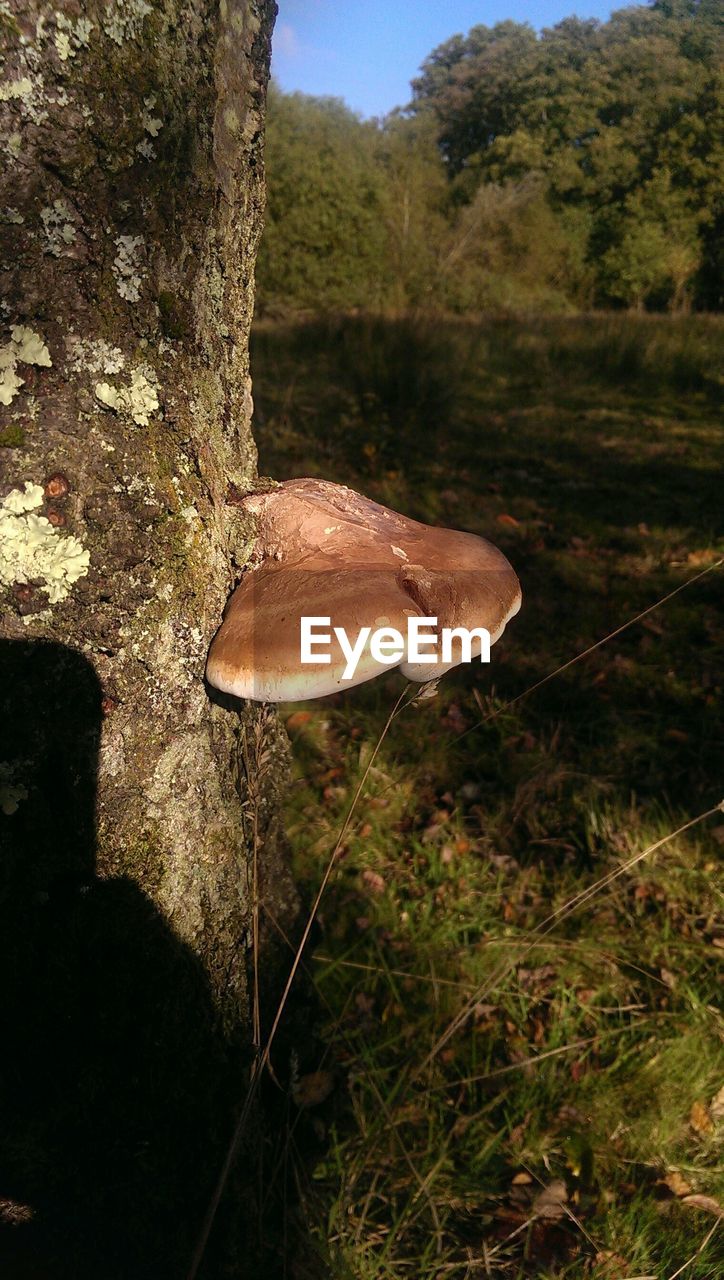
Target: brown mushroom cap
327, 551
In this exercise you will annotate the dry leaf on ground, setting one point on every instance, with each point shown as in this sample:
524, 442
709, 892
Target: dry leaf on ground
551, 1201
699, 1118
676, 1182
313, 1089
707, 1203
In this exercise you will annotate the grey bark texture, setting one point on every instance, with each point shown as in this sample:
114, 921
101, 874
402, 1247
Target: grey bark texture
131, 201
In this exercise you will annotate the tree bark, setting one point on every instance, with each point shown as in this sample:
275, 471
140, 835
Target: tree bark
132, 192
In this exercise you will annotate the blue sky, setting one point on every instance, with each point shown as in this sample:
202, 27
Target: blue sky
367, 51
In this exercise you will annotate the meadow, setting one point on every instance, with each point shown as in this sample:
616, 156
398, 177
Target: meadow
516, 1067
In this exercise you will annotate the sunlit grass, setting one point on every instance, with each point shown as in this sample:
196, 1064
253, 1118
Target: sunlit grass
589, 1064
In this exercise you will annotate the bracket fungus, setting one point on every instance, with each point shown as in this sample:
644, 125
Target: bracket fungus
328, 556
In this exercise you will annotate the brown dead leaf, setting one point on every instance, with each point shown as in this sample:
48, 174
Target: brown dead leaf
313, 1089
522, 1179
699, 1118
677, 1184
707, 1203
13, 1213
702, 557
551, 1201
297, 719
510, 521
531, 977
373, 881
676, 735
330, 775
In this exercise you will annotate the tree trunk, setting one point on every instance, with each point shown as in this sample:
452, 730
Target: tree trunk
132, 195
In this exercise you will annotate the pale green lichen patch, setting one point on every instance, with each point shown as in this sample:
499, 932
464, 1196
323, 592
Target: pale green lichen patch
152, 124
94, 356
32, 550
63, 45
25, 347
16, 89
139, 399
71, 36
123, 19
58, 227
127, 269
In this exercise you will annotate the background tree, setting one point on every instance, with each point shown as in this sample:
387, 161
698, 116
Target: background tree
581, 166
133, 196
323, 243
601, 112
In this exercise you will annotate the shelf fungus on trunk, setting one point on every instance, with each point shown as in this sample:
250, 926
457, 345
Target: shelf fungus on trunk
341, 585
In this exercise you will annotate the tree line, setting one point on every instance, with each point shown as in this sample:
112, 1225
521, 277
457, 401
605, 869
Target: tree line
580, 167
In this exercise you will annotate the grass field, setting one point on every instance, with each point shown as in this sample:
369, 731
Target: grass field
492, 1092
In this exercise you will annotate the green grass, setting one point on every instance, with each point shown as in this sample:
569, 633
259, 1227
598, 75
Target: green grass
591, 451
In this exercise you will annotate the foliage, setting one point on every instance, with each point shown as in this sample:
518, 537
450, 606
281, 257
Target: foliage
573, 1125
322, 244
581, 166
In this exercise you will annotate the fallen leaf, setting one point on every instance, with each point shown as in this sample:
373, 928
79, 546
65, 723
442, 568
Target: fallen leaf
297, 719
550, 1203
707, 1203
530, 977
676, 735
677, 1184
521, 1179
373, 881
313, 1089
511, 521
13, 1213
702, 557
699, 1118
